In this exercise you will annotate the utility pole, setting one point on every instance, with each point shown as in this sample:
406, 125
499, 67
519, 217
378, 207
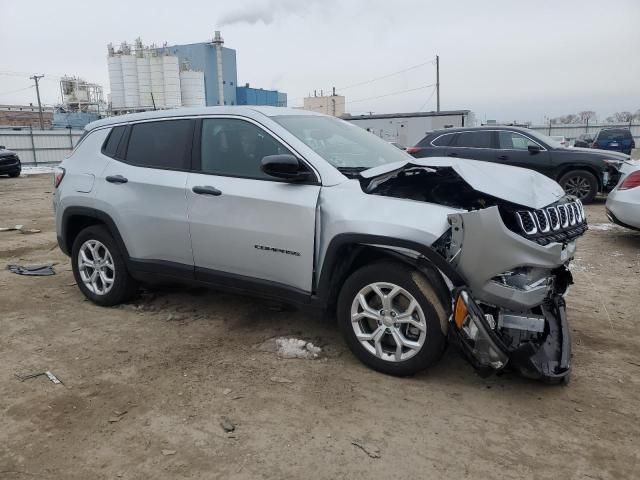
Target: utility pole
36, 78
438, 83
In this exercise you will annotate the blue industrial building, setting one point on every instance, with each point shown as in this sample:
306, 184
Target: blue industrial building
202, 57
258, 96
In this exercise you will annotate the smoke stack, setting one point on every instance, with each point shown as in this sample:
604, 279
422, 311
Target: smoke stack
218, 42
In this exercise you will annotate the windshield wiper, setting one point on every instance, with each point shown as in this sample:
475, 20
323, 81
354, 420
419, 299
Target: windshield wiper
351, 172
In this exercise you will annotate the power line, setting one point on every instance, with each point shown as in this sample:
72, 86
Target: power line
388, 75
16, 91
392, 93
427, 100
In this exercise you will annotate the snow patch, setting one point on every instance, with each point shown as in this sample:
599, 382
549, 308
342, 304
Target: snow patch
601, 227
37, 170
296, 348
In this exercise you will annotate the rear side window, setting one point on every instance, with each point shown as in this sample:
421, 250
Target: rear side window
235, 148
110, 146
443, 140
514, 141
474, 140
164, 144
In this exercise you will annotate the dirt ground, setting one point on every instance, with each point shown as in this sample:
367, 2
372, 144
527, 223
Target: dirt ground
177, 362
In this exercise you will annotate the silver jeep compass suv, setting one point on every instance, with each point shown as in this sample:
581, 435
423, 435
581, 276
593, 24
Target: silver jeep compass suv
409, 253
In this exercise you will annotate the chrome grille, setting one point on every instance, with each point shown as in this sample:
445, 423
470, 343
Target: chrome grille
554, 218
557, 223
527, 222
542, 221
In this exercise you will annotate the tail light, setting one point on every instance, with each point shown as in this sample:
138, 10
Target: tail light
631, 181
58, 175
412, 150
633, 143
594, 145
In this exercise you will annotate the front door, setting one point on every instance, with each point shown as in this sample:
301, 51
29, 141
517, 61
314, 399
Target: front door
514, 150
246, 225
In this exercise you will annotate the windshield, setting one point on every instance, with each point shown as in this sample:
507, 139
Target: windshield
342, 144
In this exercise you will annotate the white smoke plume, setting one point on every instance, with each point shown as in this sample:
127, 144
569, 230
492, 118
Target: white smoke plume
265, 12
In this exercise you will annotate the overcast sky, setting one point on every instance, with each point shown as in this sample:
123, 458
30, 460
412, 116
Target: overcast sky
504, 60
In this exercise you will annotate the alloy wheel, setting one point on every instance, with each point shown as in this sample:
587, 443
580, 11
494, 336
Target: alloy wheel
96, 267
388, 321
578, 186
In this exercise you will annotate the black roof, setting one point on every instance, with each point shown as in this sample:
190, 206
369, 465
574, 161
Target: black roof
442, 113
484, 127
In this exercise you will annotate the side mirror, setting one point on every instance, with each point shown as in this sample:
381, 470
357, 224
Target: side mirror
285, 166
533, 149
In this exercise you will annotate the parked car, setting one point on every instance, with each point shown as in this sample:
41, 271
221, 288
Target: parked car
307, 208
9, 162
580, 172
616, 139
623, 203
584, 140
561, 139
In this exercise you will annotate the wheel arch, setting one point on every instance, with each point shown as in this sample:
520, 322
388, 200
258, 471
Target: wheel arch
592, 169
348, 252
76, 219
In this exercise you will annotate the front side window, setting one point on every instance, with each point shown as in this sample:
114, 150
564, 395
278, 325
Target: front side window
235, 148
342, 144
514, 141
478, 139
163, 144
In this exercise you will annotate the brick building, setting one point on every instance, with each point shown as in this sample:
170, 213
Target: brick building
24, 116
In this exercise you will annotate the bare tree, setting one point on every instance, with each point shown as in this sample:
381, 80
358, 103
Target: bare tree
586, 115
622, 117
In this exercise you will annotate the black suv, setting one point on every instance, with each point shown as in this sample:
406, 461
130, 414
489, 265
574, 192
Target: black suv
581, 172
9, 163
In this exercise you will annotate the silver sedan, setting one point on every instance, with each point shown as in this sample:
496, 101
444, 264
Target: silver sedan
623, 202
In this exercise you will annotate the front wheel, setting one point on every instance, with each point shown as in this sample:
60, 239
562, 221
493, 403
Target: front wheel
99, 268
392, 318
15, 174
580, 183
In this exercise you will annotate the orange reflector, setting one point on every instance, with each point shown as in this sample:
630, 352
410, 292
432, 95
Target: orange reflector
460, 313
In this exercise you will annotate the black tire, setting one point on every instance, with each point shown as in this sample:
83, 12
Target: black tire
124, 287
15, 174
423, 291
571, 181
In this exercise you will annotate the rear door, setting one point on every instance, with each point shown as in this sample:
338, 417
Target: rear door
246, 225
475, 145
143, 190
513, 149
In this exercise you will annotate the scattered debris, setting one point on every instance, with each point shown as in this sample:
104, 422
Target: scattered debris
227, 424
21, 229
34, 270
49, 375
296, 348
578, 409
281, 380
119, 413
168, 452
226, 391
372, 451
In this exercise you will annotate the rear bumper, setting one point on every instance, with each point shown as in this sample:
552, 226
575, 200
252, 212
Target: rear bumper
623, 209
549, 360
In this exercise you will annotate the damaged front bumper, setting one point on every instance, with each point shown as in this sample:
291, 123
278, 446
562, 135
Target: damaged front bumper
547, 357
511, 313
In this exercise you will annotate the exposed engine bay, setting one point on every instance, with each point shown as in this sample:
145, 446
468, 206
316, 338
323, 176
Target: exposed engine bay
514, 258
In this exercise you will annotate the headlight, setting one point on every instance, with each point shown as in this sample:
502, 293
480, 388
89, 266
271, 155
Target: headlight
475, 333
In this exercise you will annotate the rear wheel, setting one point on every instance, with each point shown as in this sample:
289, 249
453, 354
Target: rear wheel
99, 268
392, 318
580, 183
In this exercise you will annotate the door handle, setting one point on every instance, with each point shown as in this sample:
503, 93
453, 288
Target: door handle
452, 154
503, 157
207, 190
116, 179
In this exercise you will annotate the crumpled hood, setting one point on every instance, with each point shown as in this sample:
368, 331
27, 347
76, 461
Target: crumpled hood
513, 184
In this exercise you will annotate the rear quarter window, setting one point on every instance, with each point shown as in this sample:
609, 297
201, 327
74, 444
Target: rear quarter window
112, 142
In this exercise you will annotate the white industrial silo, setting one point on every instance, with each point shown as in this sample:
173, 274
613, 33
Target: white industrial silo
192, 88
171, 72
130, 80
115, 81
144, 81
156, 70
